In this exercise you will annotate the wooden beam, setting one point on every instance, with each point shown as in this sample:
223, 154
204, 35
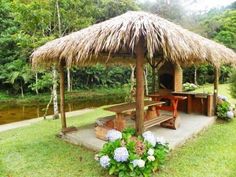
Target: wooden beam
139, 50
62, 96
216, 85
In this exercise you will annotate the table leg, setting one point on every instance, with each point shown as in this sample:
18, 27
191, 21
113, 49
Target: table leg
119, 122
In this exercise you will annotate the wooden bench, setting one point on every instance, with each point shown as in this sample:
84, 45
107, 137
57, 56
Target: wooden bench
156, 121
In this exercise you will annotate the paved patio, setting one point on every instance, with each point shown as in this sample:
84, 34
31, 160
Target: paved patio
190, 125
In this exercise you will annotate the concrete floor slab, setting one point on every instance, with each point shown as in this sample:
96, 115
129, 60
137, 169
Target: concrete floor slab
190, 125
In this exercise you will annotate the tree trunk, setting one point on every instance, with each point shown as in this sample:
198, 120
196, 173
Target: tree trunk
68, 80
36, 83
22, 90
47, 107
145, 78
58, 18
195, 75
54, 93
132, 81
140, 87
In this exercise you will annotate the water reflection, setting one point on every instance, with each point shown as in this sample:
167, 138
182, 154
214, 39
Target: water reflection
10, 112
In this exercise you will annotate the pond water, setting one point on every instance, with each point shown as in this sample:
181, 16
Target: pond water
10, 112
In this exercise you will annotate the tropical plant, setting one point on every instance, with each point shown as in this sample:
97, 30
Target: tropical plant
128, 155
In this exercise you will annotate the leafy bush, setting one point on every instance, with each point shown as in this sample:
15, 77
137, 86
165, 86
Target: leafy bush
189, 86
224, 110
128, 155
233, 84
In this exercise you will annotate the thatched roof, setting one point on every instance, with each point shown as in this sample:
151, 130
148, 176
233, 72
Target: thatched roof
114, 41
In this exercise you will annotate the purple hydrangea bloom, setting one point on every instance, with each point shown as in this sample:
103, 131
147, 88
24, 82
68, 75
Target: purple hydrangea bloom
150, 138
121, 154
113, 135
105, 161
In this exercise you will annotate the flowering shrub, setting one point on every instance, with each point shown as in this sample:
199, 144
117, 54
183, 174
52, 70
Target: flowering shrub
224, 110
189, 86
129, 155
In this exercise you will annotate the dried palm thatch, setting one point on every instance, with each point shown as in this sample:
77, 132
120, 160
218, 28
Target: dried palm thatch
114, 41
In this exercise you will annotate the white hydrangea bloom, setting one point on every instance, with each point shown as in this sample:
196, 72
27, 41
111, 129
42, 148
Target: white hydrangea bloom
113, 135
105, 161
151, 158
160, 140
222, 97
149, 137
150, 151
121, 154
230, 114
138, 162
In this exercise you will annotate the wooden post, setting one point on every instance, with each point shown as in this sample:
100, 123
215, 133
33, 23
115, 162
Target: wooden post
62, 96
216, 83
139, 50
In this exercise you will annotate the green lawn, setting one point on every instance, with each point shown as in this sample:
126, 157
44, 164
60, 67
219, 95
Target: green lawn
223, 90
36, 151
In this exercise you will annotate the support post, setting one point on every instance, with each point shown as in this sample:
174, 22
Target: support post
216, 83
139, 50
62, 96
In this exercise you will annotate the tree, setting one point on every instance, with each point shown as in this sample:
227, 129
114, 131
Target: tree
18, 74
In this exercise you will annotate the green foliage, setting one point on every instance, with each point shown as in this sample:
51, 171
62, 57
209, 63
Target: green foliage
220, 26
151, 157
189, 87
233, 84
205, 74
43, 83
222, 109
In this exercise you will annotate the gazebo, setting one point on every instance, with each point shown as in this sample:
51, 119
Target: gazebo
133, 37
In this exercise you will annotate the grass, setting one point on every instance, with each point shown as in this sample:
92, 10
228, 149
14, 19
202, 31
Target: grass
35, 151
223, 90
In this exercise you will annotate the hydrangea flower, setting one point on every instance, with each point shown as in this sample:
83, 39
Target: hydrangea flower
222, 97
150, 138
121, 154
113, 135
160, 140
138, 162
105, 161
150, 151
230, 114
151, 158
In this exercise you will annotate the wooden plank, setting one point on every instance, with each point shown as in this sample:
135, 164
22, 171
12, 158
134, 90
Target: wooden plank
126, 107
157, 120
167, 96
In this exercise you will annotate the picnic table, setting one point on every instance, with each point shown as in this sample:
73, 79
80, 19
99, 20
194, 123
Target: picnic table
172, 107
122, 110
